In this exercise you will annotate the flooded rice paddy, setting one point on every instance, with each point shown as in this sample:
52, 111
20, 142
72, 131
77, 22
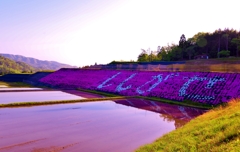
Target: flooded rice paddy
36, 96
18, 89
83, 94
121, 125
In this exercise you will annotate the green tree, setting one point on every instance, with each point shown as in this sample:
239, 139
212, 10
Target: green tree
190, 51
236, 41
143, 57
152, 56
197, 36
182, 45
176, 53
201, 42
224, 53
219, 41
226, 38
164, 55
161, 54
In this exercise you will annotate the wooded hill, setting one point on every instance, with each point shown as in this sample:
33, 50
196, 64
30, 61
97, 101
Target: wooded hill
38, 64
219, 44
9, 66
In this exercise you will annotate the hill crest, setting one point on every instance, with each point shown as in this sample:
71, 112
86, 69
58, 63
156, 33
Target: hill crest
36, 63
10, 66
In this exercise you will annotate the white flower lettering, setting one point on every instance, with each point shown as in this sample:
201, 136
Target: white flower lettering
214, 80
102, 85
120, 88
158, 77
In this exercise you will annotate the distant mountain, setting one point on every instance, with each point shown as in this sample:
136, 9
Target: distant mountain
11, 66
38, 64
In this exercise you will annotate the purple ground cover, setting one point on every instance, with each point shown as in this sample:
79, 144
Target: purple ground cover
204, 87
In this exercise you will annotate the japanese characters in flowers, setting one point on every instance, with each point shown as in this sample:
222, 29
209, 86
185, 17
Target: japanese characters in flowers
211, 88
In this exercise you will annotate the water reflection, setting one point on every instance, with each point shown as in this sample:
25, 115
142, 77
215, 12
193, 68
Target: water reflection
180, 115
83, 94
108, 125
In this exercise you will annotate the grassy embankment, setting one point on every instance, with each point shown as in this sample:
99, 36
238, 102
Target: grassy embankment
217, 130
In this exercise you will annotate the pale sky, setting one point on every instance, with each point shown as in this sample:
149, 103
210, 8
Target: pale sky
82, 32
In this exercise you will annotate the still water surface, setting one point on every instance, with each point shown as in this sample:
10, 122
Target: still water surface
35, 96
122, 125
17, 89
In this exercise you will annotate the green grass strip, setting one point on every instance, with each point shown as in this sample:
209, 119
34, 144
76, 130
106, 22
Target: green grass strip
100, 93
22, 104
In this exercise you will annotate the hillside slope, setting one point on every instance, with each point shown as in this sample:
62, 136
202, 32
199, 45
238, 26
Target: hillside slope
200, 87
10, 66
216, 130
39, 64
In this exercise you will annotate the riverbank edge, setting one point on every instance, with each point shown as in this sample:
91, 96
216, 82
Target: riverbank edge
183, 103
215, 130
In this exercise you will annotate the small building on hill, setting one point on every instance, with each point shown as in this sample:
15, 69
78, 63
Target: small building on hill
203, 56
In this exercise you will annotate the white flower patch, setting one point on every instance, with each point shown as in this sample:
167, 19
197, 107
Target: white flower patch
200, 97
214, 80
158, 77
120, 88
103, 84
182, 91
167, 77
170, 76
211, 82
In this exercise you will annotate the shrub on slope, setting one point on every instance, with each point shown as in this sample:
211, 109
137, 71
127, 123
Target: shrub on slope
216, 130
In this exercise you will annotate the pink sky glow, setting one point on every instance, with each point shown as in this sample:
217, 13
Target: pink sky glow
82, 32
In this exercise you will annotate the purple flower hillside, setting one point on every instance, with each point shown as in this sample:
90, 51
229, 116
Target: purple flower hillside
203, 87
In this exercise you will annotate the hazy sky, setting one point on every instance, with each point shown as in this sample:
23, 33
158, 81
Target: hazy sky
82, 32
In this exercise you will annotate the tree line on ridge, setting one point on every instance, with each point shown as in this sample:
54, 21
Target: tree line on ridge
219, 44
